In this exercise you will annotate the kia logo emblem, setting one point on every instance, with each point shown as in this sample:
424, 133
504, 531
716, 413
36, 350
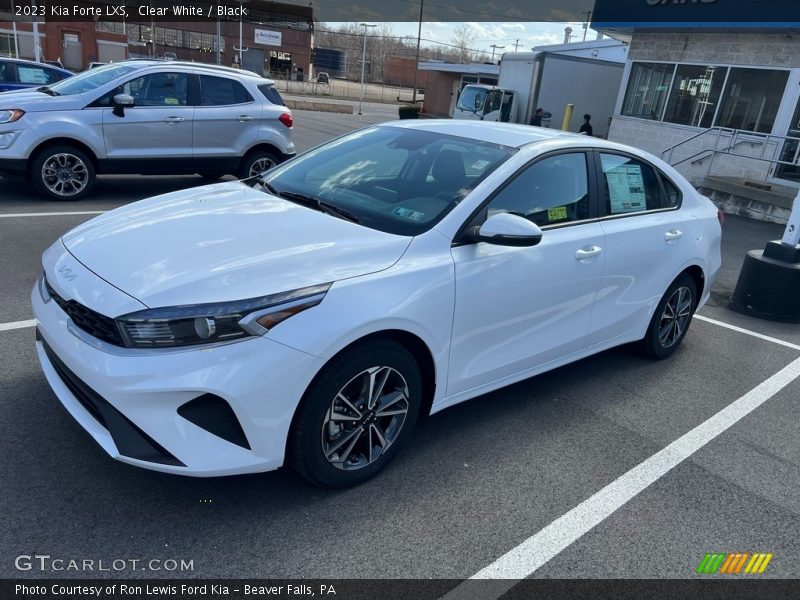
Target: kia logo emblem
67, 273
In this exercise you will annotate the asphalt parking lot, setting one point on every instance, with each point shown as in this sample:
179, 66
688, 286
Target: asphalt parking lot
550, 457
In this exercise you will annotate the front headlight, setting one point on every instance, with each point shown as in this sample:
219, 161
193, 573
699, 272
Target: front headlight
209, 323
10, 115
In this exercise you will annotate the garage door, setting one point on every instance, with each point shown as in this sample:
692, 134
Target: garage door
111, 52
253, 60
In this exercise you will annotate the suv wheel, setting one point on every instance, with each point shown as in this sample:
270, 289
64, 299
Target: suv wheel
257, 162
62, 172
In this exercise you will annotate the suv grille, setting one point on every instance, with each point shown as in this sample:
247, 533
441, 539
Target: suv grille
100, 326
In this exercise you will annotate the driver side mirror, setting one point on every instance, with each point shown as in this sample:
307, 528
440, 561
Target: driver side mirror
120, 102
504, 229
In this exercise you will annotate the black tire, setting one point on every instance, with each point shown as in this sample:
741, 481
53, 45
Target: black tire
667, 327
314, 417
247, 168
62, 167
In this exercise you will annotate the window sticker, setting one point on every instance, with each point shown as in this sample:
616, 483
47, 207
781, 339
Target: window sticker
626, 189
407, 213
171, 101
557, 213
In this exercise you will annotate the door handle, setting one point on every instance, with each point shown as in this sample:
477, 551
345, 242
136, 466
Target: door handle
588, 252
173, 120
244, 118
673, 235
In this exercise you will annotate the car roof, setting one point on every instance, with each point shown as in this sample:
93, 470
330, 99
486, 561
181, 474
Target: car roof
154, 62
22, 61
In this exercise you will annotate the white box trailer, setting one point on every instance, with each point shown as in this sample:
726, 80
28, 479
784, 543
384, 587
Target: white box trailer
548, 80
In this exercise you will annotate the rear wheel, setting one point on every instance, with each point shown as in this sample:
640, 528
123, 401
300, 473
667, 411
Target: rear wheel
356, 415
257, 162
62, 172
671, 319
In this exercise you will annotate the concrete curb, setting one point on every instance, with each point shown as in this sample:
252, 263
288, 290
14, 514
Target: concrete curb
319, 106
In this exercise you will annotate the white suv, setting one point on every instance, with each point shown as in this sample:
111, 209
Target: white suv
146, 117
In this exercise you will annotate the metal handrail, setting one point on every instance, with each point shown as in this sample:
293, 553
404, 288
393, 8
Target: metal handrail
764, 139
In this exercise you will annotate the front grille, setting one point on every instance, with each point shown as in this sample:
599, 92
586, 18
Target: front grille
100, 326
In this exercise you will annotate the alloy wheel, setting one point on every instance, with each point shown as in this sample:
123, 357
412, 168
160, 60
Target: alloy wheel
365, 418
676, 315
65, 174
260, 165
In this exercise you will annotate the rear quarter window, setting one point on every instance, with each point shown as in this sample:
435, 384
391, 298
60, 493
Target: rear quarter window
271, 94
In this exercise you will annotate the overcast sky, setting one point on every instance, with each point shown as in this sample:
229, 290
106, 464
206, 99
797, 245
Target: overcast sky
504, 34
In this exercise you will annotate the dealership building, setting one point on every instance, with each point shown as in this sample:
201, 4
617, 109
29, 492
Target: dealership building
719, 100
277, 38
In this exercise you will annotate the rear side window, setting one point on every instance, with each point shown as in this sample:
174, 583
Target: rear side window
6, 72
631, 186
271, 94
221, 91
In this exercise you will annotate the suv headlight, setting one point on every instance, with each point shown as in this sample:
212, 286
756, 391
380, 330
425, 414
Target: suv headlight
209, 323
10, 115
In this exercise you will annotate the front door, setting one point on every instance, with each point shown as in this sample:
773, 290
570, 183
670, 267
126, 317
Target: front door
519, 308
162, 114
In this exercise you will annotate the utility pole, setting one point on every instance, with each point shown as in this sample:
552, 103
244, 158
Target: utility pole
219, 38
495, 47
588, 14
363, 63
14, 29
37, 49
416, 60
516, 45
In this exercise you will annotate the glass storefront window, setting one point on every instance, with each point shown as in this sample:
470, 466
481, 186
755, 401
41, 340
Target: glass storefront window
752, 98
648, 86
695, 95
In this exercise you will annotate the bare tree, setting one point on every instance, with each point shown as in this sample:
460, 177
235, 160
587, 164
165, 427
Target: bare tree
463, 39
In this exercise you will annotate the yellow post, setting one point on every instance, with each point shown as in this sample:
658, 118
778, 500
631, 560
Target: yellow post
567, 117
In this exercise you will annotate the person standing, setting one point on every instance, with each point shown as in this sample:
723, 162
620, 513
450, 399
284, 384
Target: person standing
536, 121
587, 126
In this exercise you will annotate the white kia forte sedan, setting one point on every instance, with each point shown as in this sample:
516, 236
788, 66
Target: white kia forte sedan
310, 316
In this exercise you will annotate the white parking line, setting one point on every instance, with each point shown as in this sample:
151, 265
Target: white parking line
52, 214
538, 549
17, 325
760, 336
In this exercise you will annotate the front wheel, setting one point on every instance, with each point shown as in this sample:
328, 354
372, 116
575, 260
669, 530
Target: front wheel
62, 172
671, 319
356, 415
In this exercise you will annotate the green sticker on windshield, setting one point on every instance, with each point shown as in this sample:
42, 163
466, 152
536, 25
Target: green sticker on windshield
557, 213
407, 213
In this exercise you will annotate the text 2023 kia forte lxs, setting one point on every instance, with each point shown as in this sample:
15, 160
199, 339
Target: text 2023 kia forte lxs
312, 317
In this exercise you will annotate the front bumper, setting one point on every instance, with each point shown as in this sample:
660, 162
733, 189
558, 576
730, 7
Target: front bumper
134, 396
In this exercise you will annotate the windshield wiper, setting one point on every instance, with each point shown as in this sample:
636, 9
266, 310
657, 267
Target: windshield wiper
312, 202
46, 90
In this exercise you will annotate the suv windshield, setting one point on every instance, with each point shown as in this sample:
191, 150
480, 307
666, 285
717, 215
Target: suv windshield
393, 179
89, 80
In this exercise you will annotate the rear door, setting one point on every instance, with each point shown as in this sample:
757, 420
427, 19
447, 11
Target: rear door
155, 133
226, 121
648, 239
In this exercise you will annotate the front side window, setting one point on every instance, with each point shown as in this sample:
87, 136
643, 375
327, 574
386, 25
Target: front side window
631, 186
752, 98
157, 89
552, 191
393, 179
221, 91
648, 86
695, 95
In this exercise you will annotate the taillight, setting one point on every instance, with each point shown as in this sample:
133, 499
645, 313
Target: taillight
720, 216
286, 119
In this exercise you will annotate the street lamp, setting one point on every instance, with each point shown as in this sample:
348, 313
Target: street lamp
241, 49
495, 47
363, 62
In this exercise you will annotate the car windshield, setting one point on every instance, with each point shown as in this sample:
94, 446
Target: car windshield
89, 80
393, 179
472, 98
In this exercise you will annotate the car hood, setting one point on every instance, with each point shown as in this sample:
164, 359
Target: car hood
33, 101
225, 242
